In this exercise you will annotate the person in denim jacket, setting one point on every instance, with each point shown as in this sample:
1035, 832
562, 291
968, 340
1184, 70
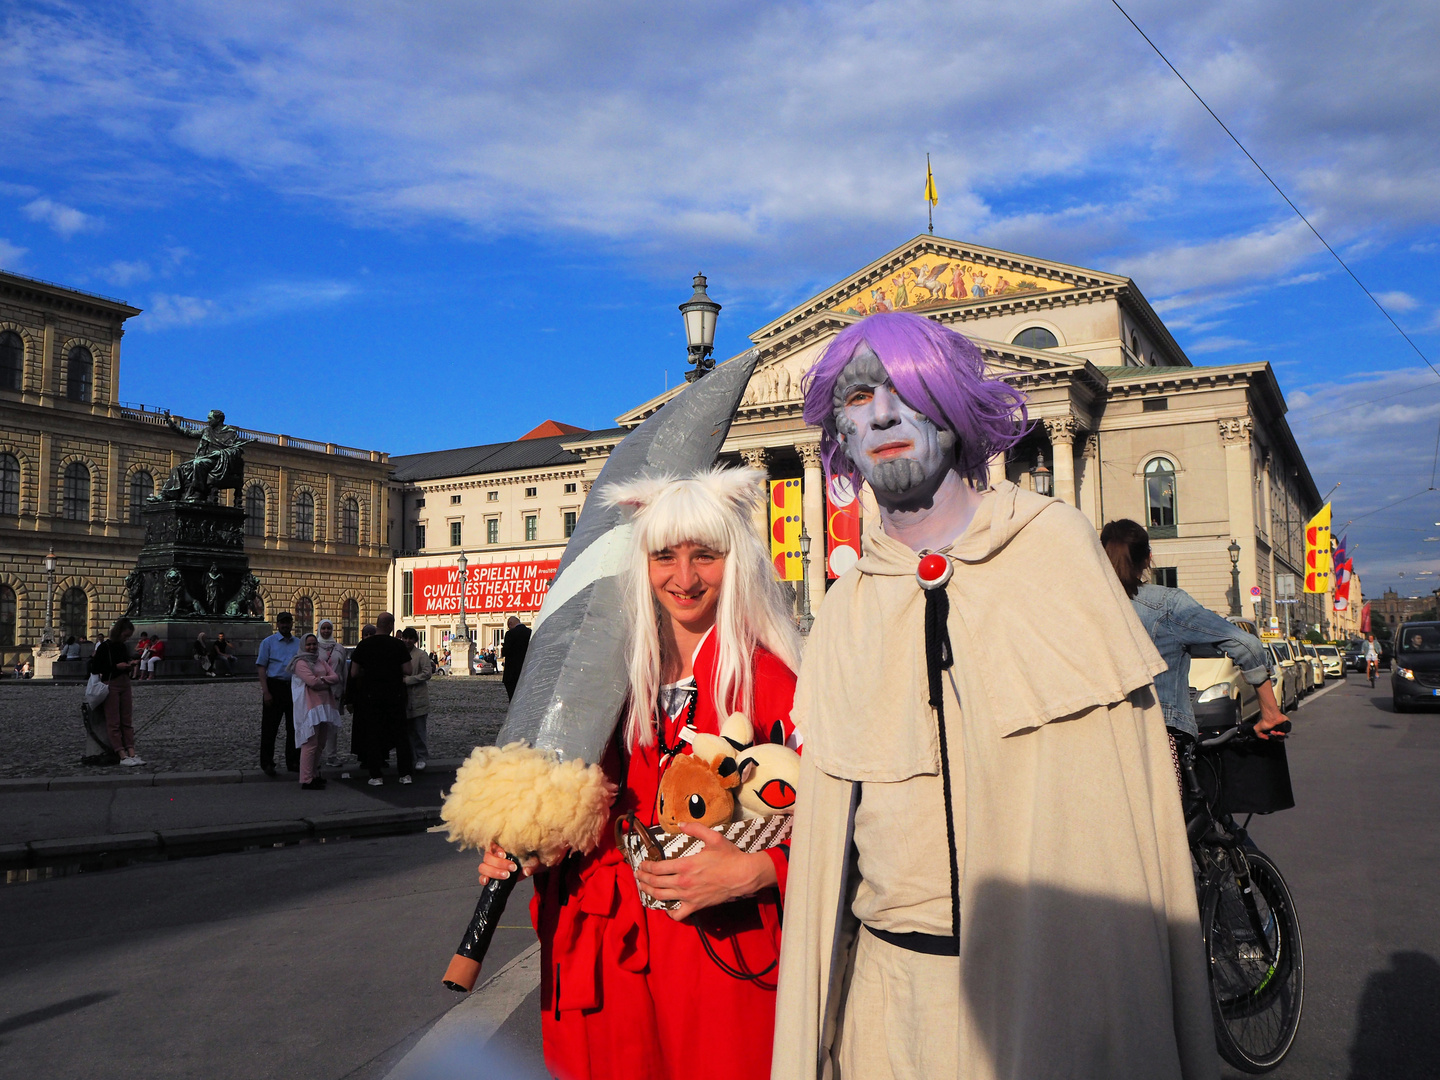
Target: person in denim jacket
1175, 621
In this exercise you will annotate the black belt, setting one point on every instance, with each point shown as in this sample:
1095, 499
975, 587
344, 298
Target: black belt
930, 944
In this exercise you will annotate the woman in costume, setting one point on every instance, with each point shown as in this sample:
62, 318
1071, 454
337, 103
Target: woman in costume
628, 991
312, 684
338, 657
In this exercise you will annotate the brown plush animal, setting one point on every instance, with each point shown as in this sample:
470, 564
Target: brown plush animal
697, 791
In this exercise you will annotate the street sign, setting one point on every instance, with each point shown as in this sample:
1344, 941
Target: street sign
1255, 591
1285, 587
1274, 622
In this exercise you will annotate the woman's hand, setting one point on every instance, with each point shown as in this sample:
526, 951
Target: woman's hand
495, 865
1270, 715
720, 873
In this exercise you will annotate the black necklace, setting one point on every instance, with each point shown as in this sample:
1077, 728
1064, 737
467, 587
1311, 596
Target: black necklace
662, 718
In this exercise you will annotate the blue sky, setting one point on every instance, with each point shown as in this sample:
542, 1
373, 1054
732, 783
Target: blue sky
409, 226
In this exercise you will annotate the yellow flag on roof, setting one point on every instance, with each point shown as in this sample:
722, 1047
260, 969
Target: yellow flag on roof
931, 196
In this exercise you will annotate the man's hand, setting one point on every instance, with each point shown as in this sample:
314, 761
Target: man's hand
720, 873
1269, 720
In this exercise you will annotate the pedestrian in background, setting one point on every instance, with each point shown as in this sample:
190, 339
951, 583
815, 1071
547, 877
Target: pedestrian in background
517, 641
223, 658
202, 654
153, 655
312, 685
111, 661
378, 666
417, 691
338, 657
272, 665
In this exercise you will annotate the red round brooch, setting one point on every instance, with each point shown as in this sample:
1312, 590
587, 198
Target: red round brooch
934, 571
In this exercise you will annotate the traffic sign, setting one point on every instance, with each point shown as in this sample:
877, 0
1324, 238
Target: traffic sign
1255, 591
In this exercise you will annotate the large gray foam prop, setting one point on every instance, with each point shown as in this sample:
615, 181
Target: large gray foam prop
574, 679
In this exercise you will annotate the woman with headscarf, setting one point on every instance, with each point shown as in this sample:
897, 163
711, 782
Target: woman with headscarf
312, 684
338, 657
630, 991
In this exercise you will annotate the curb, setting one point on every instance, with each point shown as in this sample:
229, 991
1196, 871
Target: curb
213, 839
176, 779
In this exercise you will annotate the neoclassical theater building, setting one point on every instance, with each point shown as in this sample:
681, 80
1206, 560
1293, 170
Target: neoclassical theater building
1125, 426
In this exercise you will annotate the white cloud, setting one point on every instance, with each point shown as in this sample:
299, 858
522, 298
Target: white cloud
65, 220
1397, 302
10, 254
1215, 344
792, 143
124, 273
168, 310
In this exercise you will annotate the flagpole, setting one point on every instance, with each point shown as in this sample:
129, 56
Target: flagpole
929, 206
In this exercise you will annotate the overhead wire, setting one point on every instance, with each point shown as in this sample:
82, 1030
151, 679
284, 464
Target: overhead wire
1435, 464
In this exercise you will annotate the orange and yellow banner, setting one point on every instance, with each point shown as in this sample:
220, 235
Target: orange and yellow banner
785, 510
1317, 552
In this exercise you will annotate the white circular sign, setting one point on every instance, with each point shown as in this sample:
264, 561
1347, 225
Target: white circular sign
842, 558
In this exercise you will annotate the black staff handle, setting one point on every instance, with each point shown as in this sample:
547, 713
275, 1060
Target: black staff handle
464, 967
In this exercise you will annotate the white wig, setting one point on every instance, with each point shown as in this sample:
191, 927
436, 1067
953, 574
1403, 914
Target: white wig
715, 508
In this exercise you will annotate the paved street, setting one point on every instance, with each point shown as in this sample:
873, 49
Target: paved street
182, 727
323, 960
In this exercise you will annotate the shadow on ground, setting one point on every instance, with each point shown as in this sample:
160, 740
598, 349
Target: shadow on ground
1399, 1021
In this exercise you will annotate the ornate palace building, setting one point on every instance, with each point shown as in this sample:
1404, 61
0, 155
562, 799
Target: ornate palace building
76, 465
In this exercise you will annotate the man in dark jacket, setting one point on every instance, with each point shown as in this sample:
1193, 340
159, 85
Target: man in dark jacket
517, 640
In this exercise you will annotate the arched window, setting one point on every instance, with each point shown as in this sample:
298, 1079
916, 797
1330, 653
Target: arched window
255, 510
76, 494
9, 484
79, 374
1036, 337
304, 516
142, 486
7, 617
1160, 496
349, 521
12, 360
304, 615
74, 614
349, 622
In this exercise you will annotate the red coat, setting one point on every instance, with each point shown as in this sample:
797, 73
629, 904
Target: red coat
630, 993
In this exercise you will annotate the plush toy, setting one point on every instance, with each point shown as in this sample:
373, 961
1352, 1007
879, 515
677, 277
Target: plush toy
697, 791
769, 774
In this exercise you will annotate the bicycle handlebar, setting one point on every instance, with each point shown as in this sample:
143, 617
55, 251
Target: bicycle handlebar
1243, 731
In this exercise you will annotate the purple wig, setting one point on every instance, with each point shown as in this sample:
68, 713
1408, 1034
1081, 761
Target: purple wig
939, 373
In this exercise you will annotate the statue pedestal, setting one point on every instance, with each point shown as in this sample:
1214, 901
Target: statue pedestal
242, 636
42, 664
193, 564
462, 655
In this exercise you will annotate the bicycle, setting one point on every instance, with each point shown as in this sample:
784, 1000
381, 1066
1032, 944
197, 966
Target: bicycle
1252, 938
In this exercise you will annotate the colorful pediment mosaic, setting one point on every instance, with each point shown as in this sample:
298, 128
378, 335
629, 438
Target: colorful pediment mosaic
935, 280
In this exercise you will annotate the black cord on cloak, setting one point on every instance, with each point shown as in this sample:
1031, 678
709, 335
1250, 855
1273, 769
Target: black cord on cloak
940, 658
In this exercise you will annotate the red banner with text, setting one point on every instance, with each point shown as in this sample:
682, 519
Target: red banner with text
497, 587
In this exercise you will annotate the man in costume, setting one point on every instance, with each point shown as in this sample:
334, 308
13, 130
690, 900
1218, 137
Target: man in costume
989, 873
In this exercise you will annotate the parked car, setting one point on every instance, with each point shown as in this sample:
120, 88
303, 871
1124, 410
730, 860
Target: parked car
1286, 677
1219, 693
1304, 673
1312, 654
1415, 679
1333, 661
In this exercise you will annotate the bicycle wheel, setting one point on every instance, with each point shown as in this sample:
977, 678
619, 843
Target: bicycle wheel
1257, 966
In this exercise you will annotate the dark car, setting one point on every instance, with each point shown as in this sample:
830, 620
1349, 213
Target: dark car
1355, 656
1415, 677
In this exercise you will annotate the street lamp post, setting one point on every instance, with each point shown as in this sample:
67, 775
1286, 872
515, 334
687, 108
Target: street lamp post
47, 636
1234, 550
1044, 482
464, 653
806, 620
699, 313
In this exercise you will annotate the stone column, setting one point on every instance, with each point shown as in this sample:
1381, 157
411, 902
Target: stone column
1062, 441
47, 360
813, 514
112, 486
755, 459
45, 478
377, 517
282, 504
1092, 503
332, 514
115, 370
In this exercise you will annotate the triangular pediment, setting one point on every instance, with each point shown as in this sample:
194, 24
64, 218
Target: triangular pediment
930, 274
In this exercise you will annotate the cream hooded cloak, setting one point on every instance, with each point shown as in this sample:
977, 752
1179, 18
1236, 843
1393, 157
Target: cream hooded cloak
1080, 945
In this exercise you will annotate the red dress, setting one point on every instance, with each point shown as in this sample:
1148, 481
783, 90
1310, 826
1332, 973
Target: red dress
630, 993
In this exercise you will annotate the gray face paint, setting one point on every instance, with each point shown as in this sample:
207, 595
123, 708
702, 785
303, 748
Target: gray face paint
896, 448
